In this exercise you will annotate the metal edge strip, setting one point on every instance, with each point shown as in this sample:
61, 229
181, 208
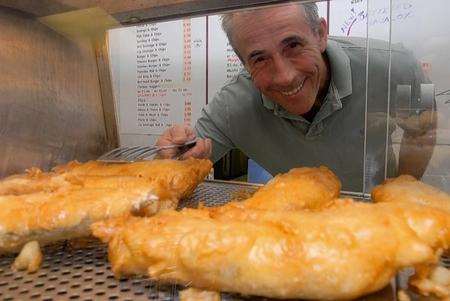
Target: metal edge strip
234, 183
194, 8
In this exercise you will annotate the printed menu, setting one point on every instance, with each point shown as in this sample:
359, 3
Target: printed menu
159, 74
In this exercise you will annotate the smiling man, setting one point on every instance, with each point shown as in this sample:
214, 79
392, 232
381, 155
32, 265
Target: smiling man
301, 100
282, 49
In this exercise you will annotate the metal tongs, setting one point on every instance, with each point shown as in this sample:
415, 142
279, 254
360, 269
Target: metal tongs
141, 153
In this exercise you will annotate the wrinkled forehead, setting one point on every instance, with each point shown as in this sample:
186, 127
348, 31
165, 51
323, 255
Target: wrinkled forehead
255, 28
242, 18
266, 11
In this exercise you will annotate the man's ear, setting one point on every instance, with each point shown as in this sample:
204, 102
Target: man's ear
323, 34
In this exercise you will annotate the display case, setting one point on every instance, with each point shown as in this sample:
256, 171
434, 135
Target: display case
78, 78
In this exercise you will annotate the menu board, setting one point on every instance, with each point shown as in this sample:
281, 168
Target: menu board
159, 72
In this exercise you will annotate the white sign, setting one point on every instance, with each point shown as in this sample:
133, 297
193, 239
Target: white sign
161, 74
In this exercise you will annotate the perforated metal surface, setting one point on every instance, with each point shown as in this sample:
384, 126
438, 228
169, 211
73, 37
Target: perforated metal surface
215, 193
81, 271
75, 274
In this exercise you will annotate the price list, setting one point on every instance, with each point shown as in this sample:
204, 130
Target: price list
187, 64
164, 83
152, 78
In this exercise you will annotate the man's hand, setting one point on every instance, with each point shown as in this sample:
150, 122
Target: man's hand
418, 142
180, 134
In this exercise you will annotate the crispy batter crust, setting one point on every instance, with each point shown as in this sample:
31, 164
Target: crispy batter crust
341, 252
62, 204
407, 189
284, 242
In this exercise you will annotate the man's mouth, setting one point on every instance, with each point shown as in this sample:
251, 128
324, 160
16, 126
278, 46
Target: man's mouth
294, 90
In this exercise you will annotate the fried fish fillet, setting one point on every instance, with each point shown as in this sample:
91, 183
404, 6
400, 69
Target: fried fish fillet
30, 258
432, 279
341, 252
193, 294
67, 212
34, 180
407, 189
62, 204
182, 177
300, 188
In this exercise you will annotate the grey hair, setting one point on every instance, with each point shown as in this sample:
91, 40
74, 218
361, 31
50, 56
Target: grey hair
311, 15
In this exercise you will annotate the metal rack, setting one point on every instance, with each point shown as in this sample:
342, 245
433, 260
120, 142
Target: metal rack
81, 271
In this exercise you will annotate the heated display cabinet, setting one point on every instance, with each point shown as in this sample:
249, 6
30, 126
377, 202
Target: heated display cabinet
78, 78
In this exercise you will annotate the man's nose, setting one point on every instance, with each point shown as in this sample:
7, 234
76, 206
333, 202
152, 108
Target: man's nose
284, 72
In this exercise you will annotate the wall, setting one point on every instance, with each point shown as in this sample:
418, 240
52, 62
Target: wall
50, 101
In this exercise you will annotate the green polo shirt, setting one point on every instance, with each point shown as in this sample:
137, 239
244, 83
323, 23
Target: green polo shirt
241, 117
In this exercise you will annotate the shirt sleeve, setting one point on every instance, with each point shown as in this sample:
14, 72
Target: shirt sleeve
413, 111
214, 124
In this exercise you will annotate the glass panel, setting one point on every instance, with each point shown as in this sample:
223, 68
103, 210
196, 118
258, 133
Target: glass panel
348, 26
378, 131
420, 105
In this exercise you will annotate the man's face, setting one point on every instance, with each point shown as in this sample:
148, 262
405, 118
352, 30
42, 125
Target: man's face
283, 55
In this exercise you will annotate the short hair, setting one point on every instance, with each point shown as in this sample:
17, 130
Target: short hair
311, 15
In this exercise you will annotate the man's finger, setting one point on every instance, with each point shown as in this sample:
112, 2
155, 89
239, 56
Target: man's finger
167, 153
178, 134
199, 151
208, 148
193, 152
190, 133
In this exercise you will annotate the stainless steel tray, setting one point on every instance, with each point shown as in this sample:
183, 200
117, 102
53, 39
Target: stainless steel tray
80, 270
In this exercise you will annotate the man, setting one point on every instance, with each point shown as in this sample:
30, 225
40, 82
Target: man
301, 100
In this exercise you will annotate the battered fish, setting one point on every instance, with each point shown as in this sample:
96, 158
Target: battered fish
181, 177
62, 204
300, 188
341, 252
407, 189
67, 212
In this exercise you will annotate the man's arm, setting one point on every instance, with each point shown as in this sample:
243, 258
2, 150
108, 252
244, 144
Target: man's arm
417, 145
416, 115
214, 125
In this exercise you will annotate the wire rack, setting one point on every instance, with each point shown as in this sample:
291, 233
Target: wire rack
80, 270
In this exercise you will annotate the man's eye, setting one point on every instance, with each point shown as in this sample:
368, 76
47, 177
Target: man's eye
294, 44
258, 60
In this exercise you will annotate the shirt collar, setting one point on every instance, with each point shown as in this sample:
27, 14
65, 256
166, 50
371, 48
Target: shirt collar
340, 83
341, 72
